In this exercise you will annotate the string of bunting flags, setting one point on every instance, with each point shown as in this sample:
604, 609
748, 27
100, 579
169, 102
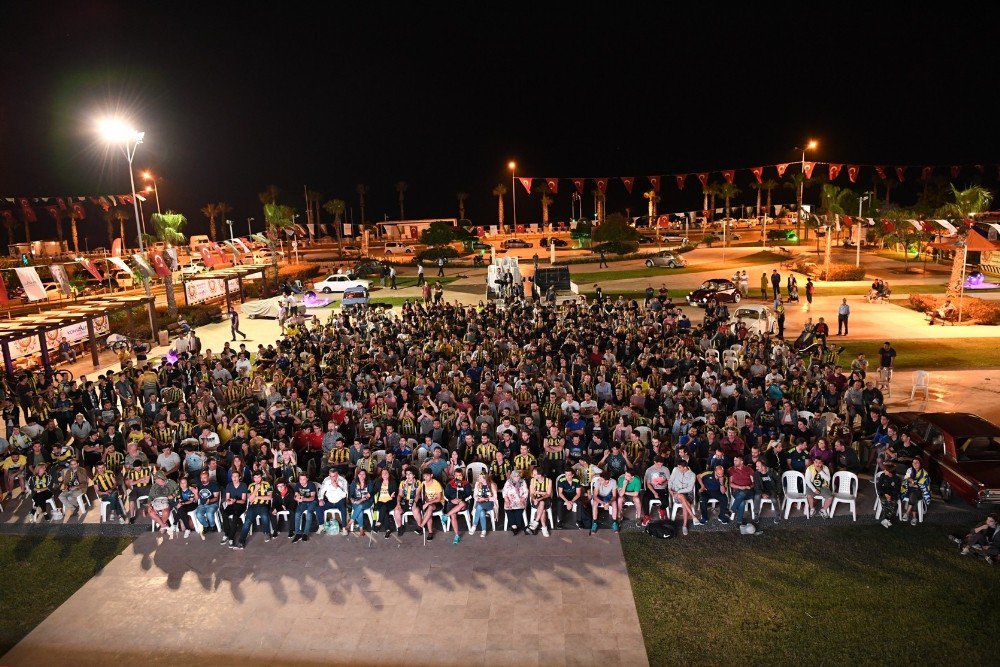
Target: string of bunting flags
58, 206
833, 170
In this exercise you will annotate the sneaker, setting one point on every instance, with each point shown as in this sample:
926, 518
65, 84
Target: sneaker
684, 530
458, 538
418, 531
399, 531
663, 515
955, 538
696, 522
593, 527
965, 551
387, 534
483, 534
645, 521
516, 530
230, 542
472, 531
305, 538
430, 536
545, 531
723, 519
297, 538
202, 535
267, 538
913, 520
822, 514
529, 531
886, 523
170, 534
187, 533
239, 547
225, 539
989, 560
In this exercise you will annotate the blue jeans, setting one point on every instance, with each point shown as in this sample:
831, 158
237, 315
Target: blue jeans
115, 504
307, 509
340, 506
206, 515
253, 511
480, 513
358, 513
739, 503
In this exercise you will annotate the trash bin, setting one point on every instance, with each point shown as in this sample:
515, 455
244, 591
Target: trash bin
164, 337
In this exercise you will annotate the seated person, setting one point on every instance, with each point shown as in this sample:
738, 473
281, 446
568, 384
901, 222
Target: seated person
945, 312
984, 540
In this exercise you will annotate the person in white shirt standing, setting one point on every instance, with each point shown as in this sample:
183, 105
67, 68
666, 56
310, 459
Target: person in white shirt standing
843, 312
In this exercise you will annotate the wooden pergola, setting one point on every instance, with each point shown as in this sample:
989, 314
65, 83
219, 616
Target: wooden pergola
238, 272
39, 324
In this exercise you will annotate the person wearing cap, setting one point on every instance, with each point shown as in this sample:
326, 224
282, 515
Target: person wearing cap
258, 508
161, 495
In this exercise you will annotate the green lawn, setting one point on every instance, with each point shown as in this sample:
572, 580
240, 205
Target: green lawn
944, 354
762, 257
861, 290
40, 573
845, 595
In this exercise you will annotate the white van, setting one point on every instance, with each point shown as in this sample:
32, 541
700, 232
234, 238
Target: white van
197, 241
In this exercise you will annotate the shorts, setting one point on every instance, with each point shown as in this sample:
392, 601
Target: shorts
434, 507
405, 506
547, 503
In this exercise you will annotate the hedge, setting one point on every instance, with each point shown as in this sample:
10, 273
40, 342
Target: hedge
135, 325
846, 272
616, 247
434, 253
973, 309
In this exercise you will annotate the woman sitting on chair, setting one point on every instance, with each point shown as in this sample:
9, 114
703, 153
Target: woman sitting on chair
916, 487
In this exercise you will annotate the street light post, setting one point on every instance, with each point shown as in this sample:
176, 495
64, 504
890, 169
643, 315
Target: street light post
857, 249
249, 230
809, 146
513, 194
961, 285
146, 175
231, 237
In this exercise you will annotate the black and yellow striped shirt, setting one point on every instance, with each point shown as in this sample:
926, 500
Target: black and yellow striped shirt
104, 482
40, 483
486, 451
262, 489
339, 456
524, 462
114, 459
556, 444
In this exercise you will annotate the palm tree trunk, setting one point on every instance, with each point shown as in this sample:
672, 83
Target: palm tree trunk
111, 235
362, 211
500, 211
27, 232
168, 285
121, 225
59, 230
545, 214
402, 216
76, 236
758, 202
957, 268
461, 209
340, 237
211, 228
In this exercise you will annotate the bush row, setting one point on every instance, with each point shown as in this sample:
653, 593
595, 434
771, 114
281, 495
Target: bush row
973, 309
136, 325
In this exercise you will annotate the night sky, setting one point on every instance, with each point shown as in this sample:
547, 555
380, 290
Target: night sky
442, 95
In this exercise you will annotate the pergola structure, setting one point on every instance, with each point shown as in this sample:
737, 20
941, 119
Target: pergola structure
238, 272
25, 326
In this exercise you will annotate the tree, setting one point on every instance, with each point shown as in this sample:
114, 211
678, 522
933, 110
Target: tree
277, 217
889, 184
965, 205
401, 188
57, 214
615, 228
599, 202
336, 208
793, 183
653, 200
769, 185
109, 220
834, 202
314, 200
438, 233
121, 215
362, 190
461, 197
499, 191
727, 191
544, 190
8, 223
211, 211
73, 214
167, 228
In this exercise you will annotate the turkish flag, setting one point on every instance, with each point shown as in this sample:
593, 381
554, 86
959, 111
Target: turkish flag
553, 184
852, 172
160, 266
782, 168
901, 173
880, 170
578, 182
602, 185
956, 170
807, 168
655, 182
703, 178
62, 204
926, 173
81, 213
680, 180
27, 211
729, 174
526, 182
889, 226
758, 173
835, 170
628, 181
53, 211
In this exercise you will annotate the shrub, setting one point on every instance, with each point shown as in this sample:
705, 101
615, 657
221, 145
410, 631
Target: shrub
447, 252
303, 272
616, 247
845, 272
136, 325
975, 310
709, 239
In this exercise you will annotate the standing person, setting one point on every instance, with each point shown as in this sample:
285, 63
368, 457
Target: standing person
843, 312
392, 277
810, 290
425, 292
886, 357
780, 311
259, 507
604, 261
534, 260
420, 274
440, 266
234, 324
438, 294
775, 283
599, 294
744, 283
763, 286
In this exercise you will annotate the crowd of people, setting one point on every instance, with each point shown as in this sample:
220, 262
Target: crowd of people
439, 417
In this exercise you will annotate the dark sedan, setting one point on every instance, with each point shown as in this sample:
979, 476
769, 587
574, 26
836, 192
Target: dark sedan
545, 241
720, 289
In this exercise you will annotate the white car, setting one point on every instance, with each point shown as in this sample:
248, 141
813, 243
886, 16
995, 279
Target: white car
759, 319
397, 247
338, 282
195, 266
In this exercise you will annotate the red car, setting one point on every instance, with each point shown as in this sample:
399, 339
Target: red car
961, 452
720, 289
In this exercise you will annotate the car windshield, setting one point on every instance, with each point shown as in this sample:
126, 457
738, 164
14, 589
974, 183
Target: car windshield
977, 448
714, 285
748, 314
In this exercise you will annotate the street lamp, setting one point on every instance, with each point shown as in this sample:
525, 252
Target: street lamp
249, 229
857, 251
147, 176
513, 192
811, 146
231, 237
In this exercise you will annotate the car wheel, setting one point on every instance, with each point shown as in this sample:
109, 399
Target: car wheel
327, 290
671, 265
388, 252
649, 263
736, 297
946, 491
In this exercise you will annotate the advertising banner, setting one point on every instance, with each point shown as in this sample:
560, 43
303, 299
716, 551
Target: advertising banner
73, 333
31, 283
59, 273
199, 291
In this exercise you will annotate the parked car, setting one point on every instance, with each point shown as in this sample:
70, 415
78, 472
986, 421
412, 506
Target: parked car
368, 267
675, 240
338, 282
352, 251
395, 247
126, 280
545, 241
355, 296
646, 240
722, 290
194, 267
759, 319
961, 453
510, 244
479, 246
666, 258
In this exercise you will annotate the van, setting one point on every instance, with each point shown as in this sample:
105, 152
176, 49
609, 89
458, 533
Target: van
197, 241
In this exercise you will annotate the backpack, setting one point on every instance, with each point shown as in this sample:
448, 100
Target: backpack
331, 527
661, 529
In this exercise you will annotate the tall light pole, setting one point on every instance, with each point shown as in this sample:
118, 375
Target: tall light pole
513, 193
249, 229
146, 175
857, 250
809, 146
231, 237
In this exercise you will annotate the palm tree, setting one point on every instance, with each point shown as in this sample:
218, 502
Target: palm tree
499, 191
967, 204
121, 215
73, 216
57, 214
599, 202
401, 188
793, 183
276, 218
362, 190
211, 211
653, 200
461, 197
8, 223
706, 191
314, 200
544, 190
713, 192
269, 195
889, 184
167, 228
336, 208
727, 191
835, 201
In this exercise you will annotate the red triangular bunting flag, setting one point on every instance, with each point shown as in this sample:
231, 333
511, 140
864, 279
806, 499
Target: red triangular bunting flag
782, 168
553, 184
680, 180
926, 173
62, 204
729, 174
880, 170
758, 173
602, 185
526, 182
901, 173
77, 207
655, 182
53, 211
852, 172
956, 170
808, 167
578, 182
835, 171
628, 181
703, 178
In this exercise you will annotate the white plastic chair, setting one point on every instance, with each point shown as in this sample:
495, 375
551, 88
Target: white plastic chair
644, 433
768, 501
794, 485
740, 416
548, 511
848, 495
921, 508
921, 382
474, 470
379, 455
525, 518
884, 383
330, 512
808, 415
